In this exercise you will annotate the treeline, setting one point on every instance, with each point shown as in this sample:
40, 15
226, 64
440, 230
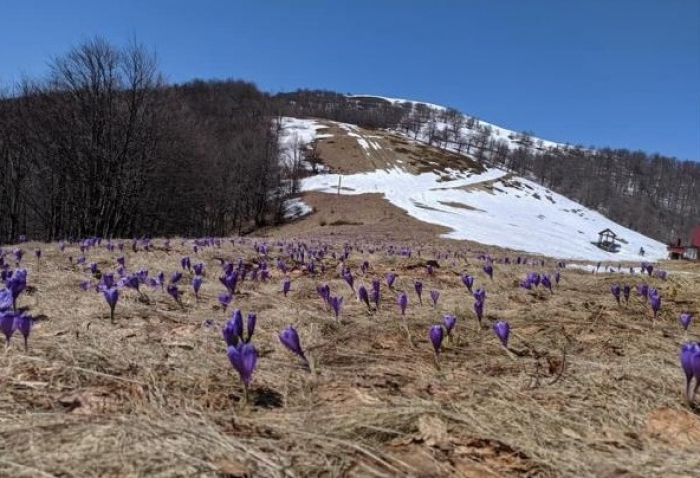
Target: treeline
656, 195
102, 146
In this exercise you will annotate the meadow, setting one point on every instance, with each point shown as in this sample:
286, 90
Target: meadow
583, 386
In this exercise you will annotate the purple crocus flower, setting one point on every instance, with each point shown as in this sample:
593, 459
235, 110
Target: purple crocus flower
16, 284
434, 296
502, 331
7, 325
690, 359
363, 295
533, 278
185, 263
376, 285
557, 277
546, 282
224, 299
685, 319
643, 290
111, 295
402, 300
436, 334
23, 323
243, 358
37, 253
418, 285
390, 279
347, 275
290, 339
324, 291
251, 320
655, 302
197, 284
286, 285
449, 321
174, 292
488, 269
626, 293
615, 291
526, 284
468, 282
229, 280
233, 330
175, 277
120, 260
336, 304
479, 309
480, 294
198, 268
6, 300
131, 281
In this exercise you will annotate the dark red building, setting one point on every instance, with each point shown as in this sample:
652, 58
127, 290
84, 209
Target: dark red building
677, 250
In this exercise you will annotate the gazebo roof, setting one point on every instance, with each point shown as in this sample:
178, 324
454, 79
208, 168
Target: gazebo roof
608, 232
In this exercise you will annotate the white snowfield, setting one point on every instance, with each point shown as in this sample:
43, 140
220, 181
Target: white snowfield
492, 208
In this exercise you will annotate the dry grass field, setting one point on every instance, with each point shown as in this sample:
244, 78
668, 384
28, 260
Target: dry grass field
588, 388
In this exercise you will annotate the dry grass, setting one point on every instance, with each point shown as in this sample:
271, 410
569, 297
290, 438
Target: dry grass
589, 389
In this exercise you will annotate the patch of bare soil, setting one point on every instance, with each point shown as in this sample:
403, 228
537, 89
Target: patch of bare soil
367, 214
352, 149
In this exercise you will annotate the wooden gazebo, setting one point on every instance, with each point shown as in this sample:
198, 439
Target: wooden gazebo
607, 240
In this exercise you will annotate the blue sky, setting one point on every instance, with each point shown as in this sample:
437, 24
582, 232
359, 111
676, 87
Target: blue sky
619, 73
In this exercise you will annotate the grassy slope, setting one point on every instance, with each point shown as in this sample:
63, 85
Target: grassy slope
594, 390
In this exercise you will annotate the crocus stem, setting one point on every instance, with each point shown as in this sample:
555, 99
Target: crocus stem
111, 315
408, 334
436, 358
245, 394
26, 345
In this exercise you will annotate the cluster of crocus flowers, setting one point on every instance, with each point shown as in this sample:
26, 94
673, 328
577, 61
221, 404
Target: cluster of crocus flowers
12, 319
15, 283
241, 353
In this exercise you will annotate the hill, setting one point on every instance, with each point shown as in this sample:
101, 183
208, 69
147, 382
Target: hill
483, 204
649, 193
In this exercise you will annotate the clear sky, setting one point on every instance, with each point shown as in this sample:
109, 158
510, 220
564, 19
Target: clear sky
619, 73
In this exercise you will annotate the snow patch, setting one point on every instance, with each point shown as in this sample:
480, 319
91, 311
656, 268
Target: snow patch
295, 208
491, 209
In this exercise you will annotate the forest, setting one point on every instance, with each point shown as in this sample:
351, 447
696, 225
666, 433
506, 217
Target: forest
103, 146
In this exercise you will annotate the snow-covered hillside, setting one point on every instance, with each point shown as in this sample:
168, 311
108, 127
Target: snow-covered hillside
493, 207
